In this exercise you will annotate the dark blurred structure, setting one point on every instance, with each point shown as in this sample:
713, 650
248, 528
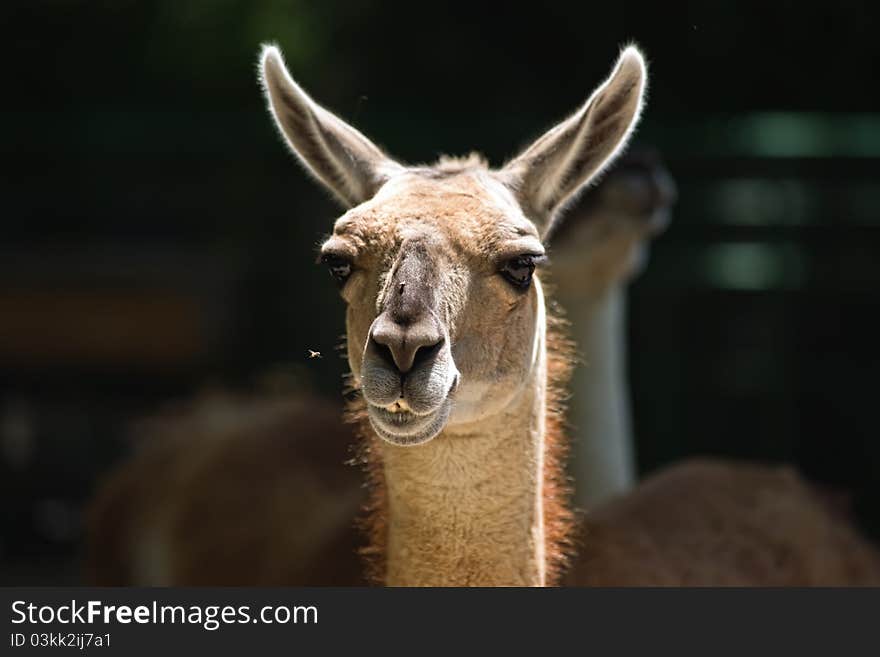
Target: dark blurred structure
157, 237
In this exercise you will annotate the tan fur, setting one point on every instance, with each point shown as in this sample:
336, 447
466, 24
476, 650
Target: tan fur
558, 518
479, 475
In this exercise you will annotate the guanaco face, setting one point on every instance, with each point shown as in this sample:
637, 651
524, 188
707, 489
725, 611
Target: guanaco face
436, 263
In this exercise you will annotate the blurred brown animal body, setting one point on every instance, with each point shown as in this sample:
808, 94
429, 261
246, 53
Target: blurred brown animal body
232, 491
715, 523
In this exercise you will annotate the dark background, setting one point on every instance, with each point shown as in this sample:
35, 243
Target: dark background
157, 238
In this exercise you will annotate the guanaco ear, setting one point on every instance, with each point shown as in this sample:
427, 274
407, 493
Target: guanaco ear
340, 157
552, 170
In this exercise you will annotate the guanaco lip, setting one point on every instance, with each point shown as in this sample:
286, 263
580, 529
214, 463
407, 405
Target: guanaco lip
405, 421
406, 429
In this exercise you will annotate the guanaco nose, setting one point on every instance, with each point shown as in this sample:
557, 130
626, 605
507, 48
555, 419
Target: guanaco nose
407, 333
406, 345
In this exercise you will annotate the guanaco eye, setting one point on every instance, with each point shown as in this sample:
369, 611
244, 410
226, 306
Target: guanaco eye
338, 266
519, 270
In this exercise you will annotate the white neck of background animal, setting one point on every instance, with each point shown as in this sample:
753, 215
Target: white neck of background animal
466, 508
600, 409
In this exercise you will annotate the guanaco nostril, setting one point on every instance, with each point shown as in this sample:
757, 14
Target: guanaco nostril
426, 353
384, 352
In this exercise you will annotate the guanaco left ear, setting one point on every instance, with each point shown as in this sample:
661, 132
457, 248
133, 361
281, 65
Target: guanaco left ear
340, 157
552, 170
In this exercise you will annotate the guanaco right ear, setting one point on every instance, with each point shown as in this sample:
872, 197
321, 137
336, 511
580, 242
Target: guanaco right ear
552, 170
340, 157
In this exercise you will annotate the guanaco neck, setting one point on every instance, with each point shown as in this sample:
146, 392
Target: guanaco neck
600, 416
466, 509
